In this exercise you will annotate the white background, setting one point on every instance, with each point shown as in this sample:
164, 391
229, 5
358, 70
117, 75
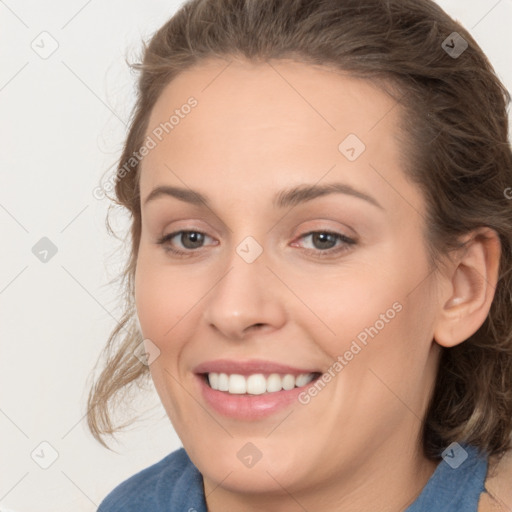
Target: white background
61, 129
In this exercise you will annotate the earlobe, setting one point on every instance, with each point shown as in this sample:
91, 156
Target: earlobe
469, 288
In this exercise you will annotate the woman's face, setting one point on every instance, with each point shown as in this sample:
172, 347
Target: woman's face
301, 252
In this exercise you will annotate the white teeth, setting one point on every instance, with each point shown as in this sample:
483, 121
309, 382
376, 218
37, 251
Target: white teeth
274, 383
213, 378
223, 382
257, 384
237, 384
288, 382
302, 380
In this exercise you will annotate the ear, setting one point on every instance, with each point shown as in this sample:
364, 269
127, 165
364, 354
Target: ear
468, 288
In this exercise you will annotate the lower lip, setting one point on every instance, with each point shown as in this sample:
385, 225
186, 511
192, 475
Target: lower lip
248, 407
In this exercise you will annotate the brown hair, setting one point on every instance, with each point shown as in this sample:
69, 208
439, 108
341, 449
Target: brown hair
457, 150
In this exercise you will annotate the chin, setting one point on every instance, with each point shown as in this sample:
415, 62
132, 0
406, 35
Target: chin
250, 470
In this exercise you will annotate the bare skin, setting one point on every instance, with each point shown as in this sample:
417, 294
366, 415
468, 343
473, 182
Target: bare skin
498, 485
257, 130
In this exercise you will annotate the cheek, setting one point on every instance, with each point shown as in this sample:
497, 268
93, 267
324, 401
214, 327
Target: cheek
162, 302
167, 300
345, 302
164, 296
374, 309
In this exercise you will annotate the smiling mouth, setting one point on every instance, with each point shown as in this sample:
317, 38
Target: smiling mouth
257, 383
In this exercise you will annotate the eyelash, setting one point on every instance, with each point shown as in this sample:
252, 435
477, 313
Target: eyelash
347, 242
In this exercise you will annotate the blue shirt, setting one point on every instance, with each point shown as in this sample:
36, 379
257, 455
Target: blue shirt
175, 485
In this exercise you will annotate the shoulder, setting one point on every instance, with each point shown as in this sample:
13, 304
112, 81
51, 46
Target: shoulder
498, 485
156, 487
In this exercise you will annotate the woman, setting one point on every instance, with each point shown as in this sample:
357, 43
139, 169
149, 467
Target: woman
321, 261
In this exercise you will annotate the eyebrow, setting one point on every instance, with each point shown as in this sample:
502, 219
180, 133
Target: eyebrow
283, 199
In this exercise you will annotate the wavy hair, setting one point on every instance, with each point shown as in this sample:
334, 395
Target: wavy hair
455, 132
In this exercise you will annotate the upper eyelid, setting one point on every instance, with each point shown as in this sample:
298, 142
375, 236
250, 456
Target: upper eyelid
340, 235
172, 234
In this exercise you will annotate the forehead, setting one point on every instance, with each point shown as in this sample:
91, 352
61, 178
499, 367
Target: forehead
275, 124
304, 100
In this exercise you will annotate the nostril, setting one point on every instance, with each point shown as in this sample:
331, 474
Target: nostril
257, 326
253, 327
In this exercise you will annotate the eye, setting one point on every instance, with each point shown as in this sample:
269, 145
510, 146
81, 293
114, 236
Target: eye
325, 242
321, 243
189, 240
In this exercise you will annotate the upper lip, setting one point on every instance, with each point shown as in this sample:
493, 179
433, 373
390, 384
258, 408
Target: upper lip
248, 367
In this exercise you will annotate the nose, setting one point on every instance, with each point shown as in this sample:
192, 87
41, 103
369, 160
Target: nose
247, 298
